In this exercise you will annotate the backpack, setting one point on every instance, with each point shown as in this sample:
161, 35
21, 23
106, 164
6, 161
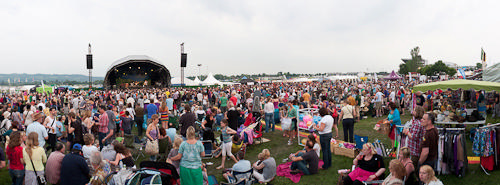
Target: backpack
335, 113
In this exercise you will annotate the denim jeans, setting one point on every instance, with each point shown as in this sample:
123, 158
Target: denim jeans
269, 118
348, 125
101, 136
300, 165
17, 176
324, 140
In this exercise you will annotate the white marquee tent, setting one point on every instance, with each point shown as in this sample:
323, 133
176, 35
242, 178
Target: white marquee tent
210, 80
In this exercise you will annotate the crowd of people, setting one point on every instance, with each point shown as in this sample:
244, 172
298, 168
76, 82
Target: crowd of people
66, 125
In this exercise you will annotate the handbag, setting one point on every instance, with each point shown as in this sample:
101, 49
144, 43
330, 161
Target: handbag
39, 179
152, 146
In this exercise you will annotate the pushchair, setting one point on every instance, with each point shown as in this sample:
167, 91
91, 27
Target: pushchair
166, 171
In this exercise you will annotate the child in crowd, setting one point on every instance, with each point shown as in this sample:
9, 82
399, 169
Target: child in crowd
174, 152
226, 142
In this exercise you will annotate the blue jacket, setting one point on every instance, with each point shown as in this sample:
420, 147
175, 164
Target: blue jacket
74, 170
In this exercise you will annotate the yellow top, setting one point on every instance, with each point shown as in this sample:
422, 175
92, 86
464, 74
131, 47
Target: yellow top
38, 157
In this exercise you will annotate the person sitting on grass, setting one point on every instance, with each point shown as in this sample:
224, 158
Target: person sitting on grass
268, 167
302, 160
226, 143
241, 166
316, 147
427, 176
397, 174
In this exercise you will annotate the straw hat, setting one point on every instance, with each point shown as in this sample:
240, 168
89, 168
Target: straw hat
37, 116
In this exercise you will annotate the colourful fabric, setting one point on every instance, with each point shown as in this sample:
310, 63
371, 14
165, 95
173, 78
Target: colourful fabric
284, 171
482, 145
360, 174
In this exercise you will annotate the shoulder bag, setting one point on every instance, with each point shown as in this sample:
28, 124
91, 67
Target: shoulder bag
39, 179
152, 145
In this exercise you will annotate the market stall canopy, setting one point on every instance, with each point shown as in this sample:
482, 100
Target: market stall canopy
459, 84
393, 76
196, 81
492, 73
246, 80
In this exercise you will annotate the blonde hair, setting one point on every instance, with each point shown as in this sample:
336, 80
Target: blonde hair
190, 133
370, 146
398, 168
260, 156
86, 114
177, 142
406, 152
31, 143
430, 172
265, 153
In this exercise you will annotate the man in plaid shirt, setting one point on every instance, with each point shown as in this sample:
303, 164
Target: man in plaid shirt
415, 134
103, 126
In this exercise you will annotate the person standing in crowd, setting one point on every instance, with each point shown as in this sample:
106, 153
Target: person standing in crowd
232, 116
307, 162
50, 124
186, 120
428, 177
103, 126
127, 122
139, 118
415, 134
75, 127
347, 114
268, 167
325, 135
34, 156
76, 170
269, 114
152, 109
38, 128
14, 152
223, 102
53, 168
379, 96
429, 150
190, 153
164, 114
28, 117
292, 114
395, 121
226, 143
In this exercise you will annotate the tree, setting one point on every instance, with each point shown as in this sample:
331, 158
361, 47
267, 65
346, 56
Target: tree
412, 65
479, 66
436, 69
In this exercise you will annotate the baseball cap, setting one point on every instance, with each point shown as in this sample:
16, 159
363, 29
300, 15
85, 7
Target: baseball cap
77, 147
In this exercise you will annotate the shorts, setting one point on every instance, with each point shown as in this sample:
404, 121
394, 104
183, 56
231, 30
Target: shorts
294, 124
378, 105
226, 149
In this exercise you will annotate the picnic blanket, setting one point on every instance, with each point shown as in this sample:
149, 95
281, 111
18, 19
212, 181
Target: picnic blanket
284, 171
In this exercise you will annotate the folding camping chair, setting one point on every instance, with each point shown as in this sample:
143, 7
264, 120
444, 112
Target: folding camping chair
258, 130
360, 141
208, 149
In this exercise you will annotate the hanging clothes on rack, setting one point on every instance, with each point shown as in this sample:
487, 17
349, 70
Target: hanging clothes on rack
452, 155
484, 146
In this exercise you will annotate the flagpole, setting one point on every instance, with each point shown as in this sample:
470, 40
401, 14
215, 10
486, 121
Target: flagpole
483, 62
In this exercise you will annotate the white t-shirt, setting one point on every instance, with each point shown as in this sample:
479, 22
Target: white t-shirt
378, 96
328, 121
317, 148
88, 150
393, 96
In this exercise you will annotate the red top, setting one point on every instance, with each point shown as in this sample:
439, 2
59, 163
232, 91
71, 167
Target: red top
15, 155
234, 100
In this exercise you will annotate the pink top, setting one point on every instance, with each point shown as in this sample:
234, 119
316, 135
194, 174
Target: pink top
53, 168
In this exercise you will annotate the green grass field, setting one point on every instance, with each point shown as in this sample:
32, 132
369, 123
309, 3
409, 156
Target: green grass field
280, 150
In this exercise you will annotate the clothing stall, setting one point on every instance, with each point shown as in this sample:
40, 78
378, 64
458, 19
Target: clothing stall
485, 144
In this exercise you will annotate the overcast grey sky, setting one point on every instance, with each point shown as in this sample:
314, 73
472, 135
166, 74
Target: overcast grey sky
252, 36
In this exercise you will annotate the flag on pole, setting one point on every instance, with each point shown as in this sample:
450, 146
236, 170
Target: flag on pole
43, 86
483, 55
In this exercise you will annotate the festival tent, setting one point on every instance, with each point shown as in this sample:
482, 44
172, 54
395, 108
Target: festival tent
456, 84
176, 81
393, 76
492, 73
210, 80
196, 81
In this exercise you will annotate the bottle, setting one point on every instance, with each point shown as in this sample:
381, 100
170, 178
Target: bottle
121, 164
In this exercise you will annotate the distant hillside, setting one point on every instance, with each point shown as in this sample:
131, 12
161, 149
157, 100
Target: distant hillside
23, 78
